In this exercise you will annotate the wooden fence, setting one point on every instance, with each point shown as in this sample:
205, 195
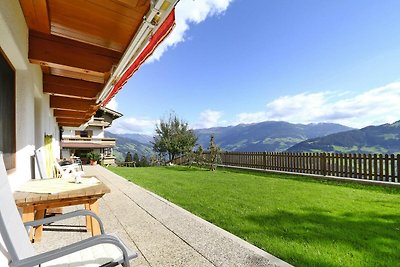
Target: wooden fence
376, 167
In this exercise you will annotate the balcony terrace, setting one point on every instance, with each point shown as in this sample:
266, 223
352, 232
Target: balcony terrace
163, 233
87, 142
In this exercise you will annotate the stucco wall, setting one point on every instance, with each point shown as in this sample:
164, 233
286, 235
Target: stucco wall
33, 116
98, 132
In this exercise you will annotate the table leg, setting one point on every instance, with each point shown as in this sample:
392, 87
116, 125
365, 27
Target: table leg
94, 206
28, 214
88, 219
39, 229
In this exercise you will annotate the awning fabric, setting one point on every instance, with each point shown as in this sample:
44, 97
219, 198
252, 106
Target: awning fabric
162, 32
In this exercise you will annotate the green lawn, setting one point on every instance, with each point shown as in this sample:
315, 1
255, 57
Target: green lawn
300, 220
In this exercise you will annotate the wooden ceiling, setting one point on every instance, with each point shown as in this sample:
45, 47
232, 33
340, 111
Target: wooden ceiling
77, 43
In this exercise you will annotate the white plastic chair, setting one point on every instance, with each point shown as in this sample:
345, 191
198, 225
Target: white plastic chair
66, 171
101, 250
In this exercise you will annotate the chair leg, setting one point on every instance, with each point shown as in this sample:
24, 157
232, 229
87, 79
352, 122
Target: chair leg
39, 229
94, 206
88, 219
28, 214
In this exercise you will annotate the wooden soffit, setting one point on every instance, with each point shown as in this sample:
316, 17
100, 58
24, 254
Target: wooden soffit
77, 44
68, 103
63, 86
71, 114
59, 52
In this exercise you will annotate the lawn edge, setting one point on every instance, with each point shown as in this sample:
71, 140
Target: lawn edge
319, 177
272, 259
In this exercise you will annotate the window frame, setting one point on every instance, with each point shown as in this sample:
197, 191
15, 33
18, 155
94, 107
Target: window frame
14, 107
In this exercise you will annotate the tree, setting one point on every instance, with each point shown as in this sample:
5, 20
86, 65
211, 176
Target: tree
200, 159
136, 159
173, 137
144, 162
215, 154
128, 157
156, 160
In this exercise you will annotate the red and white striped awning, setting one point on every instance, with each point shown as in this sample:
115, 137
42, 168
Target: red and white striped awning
155, 40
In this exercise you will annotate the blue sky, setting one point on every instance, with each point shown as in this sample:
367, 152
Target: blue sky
241, 61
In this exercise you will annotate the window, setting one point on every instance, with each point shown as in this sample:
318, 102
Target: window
88, 133
7, 112
107, 151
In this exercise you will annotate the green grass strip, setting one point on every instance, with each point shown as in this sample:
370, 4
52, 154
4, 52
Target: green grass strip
304, 221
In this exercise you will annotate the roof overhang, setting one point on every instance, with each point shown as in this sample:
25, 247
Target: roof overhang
83, 47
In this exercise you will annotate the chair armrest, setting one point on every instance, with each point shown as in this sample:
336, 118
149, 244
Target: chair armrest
69, 249
68, 215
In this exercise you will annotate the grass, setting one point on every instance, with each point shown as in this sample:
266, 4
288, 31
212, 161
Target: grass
303, 221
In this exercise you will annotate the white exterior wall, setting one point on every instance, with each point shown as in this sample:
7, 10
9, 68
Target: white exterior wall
65, 153
33, 116
98, 132
70, 131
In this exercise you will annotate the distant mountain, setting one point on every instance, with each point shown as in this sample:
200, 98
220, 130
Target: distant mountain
372, 139
142, 138
265, 136
126, 144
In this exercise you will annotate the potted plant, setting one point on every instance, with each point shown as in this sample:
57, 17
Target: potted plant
93, 157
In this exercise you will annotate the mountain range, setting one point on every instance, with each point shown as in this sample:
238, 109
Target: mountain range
130, 143
271, 136
280, 136
263, 136
382, 139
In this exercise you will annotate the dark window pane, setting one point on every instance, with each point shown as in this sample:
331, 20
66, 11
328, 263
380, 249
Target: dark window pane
7, 112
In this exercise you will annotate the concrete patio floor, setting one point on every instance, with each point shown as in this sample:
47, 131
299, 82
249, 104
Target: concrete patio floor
163, 233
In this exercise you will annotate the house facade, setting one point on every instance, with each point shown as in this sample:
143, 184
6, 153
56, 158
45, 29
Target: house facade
60, 62
78, 142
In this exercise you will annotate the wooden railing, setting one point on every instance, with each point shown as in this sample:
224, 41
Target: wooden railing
376, 167
104, 141
126, 164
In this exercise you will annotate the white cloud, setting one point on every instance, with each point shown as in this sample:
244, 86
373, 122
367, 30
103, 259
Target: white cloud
209, 118
113, 104
376, 106
133, 125
189, 12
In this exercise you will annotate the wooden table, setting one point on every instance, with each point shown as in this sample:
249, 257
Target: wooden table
34, 205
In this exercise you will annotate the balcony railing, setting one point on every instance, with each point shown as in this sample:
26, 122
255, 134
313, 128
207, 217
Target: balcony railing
104, 141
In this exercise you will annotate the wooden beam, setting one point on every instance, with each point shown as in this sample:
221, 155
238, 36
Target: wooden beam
60, 113
66, 124
70, 87
55, 51
97, 77
36, 15
72, 103
45, 69
71, 123
74, 121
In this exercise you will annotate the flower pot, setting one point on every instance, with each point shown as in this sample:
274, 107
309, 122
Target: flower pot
93, 162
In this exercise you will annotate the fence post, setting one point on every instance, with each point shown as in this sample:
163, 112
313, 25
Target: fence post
381, 168
323, 163
398, 168
370, 172
386, 168
392, 168
265, 160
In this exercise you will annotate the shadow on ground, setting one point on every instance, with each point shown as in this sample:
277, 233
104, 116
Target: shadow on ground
351, 239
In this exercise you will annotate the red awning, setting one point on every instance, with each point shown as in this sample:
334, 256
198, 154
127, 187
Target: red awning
155, 40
